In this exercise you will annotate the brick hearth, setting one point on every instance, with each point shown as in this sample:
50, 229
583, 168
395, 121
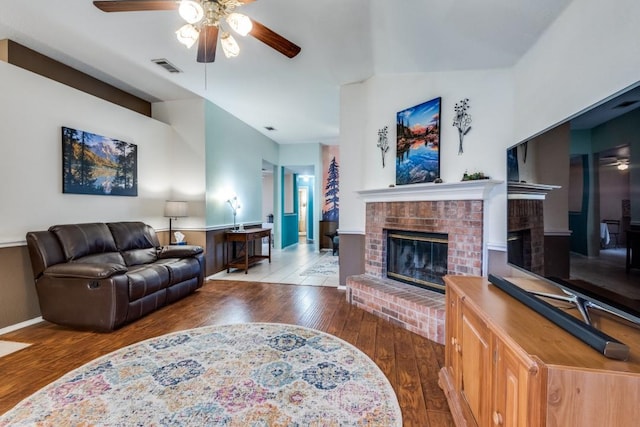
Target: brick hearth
416, 309
429, 209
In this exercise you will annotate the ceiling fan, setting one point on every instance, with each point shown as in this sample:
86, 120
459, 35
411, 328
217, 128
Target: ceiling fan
622, 163
205, 19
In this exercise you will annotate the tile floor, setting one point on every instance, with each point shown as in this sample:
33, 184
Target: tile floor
286, 267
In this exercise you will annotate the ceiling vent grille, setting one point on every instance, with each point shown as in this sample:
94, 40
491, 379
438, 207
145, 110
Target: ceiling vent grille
166, 65
626, 104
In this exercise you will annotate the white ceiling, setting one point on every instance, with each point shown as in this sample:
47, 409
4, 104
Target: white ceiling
343, 41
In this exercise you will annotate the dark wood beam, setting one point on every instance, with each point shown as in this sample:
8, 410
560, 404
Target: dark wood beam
23, 57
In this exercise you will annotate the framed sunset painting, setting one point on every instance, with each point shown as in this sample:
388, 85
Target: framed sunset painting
418, 143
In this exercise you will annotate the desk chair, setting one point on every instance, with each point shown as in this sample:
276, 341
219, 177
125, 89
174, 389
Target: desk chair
614, 229
335, 241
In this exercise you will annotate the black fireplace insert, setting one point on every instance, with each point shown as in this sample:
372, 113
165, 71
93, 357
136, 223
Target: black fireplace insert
417, 258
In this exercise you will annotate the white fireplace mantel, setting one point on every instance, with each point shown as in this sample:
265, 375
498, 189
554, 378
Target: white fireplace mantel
463, 190
528, 191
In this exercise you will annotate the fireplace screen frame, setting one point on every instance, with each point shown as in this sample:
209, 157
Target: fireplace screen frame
418, 236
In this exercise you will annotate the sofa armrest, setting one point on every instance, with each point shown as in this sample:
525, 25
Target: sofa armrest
81, 270
179, 251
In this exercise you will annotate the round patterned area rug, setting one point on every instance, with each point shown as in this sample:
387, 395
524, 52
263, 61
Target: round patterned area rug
251, 374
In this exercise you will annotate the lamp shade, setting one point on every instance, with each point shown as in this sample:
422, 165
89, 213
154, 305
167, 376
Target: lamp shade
229, 45
191, 11
240, 23
187, 35
175, 209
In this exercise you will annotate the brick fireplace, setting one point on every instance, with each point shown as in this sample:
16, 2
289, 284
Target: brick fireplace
454, 210
525, 225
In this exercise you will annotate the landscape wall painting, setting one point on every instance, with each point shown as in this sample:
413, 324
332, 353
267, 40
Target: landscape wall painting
418, 143
331, 183
95, 164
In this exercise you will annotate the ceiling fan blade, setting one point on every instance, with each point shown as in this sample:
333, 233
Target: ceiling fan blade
274, 40
207, 43
136, 5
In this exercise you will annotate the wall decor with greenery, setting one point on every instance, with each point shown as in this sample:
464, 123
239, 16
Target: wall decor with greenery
462, 121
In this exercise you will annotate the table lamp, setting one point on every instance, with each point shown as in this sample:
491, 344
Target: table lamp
174, 210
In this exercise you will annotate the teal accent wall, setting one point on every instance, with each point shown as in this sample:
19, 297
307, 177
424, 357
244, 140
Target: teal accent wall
289, 220
289, 229
306, 155
578, 221
580, 142
234, 154
623, 130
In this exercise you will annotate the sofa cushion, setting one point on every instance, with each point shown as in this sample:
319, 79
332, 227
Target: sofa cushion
79, 240
136, 241
181, 269
107, 257
146, 279
139, 256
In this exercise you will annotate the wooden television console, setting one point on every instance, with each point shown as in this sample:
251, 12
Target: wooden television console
506, 365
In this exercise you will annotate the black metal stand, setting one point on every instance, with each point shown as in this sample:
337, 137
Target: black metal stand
608, 346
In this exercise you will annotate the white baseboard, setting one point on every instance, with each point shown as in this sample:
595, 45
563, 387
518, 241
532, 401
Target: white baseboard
21, 325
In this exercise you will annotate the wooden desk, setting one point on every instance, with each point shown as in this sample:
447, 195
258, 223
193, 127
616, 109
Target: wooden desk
247, 239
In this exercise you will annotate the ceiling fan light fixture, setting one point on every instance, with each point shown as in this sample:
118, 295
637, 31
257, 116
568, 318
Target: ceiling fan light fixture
187, 35
191, 11
623, 166
240, 23
229, 46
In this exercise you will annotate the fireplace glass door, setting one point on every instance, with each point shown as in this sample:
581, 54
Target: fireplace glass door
418, 259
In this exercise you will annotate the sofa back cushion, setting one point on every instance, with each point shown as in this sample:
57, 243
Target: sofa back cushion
136, 241
80, 240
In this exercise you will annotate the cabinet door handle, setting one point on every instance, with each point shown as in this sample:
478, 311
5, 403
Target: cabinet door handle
497, 418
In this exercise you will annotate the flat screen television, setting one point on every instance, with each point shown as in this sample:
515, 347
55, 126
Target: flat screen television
573, 201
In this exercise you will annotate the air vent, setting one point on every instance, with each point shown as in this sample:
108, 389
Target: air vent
269, 128
166, 65
626, 104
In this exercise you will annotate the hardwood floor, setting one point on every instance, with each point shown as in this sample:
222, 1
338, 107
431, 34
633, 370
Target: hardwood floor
410, 362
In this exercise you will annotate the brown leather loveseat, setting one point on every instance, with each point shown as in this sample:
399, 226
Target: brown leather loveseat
101, 276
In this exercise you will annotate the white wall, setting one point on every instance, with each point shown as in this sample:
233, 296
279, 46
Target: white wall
33, 109
186, 156
354, 117
589, 53
267, 195
371, 105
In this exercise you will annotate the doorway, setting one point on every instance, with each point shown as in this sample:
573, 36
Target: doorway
303, 201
